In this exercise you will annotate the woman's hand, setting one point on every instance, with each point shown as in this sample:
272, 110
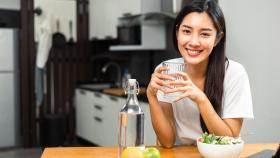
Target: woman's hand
158, 81
187, 87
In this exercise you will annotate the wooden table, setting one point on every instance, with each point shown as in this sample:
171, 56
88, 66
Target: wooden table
111, 152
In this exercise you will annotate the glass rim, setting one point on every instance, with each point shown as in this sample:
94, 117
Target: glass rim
173, 62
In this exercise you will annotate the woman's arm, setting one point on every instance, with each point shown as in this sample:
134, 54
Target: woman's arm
215, 124
163, 121
161, 112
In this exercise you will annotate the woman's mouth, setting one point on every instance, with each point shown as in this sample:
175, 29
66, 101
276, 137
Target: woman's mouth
193, 53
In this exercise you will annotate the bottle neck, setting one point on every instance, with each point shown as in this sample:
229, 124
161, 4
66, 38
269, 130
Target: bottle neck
132, 90
132, 98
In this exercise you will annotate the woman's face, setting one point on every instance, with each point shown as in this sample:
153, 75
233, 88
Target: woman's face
196, 37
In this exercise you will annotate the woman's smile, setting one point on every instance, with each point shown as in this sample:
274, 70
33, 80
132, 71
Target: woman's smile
193, 53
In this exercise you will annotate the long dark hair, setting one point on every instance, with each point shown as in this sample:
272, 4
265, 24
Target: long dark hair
214, 80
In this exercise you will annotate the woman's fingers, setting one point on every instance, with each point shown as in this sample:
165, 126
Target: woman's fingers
159, 81
155, 85
165, 77
182, 75
160, 69
184, 95
165, 82
180, 83
178, 89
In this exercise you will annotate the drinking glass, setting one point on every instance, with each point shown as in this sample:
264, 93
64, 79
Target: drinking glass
173, 68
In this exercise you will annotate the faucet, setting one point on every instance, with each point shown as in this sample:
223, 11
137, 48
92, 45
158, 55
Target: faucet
105, 67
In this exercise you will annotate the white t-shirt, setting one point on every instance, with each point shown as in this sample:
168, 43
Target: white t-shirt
236, 103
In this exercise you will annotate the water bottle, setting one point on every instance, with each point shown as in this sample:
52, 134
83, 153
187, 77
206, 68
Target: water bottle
131, 120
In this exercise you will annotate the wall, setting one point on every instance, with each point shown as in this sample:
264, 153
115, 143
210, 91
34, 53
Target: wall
10, 4
103, 16
253, 40
62, 10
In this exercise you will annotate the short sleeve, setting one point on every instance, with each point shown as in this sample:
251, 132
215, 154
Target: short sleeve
237, 101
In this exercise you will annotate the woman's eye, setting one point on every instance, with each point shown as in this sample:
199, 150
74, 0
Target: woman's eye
205, 35
186, 31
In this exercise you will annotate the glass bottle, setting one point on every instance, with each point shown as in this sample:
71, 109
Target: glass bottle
131, 120
126, 75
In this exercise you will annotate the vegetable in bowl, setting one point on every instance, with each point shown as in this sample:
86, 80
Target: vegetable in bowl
220, 140
211, 146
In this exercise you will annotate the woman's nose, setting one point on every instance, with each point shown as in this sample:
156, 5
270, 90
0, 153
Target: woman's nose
194, 40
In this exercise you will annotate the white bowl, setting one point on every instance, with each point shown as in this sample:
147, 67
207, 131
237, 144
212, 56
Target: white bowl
220, 151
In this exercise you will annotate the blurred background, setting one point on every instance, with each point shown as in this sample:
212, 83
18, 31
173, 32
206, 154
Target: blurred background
62, 63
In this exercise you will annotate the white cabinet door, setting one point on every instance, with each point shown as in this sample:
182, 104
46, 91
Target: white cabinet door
106, 110
112, 106
84, 114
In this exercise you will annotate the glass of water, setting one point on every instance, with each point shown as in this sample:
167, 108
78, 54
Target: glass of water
173, 69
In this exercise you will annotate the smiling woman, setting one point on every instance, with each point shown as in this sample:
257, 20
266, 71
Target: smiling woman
215, 91
196, 37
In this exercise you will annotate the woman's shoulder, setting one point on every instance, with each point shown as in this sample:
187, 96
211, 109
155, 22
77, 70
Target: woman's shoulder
234, 66
234, 69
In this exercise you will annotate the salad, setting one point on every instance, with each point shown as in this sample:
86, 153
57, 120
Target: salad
221, 140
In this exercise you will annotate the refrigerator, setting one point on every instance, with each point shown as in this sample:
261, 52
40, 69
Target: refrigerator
9, 88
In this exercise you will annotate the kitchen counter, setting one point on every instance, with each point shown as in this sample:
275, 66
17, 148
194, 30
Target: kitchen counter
111, 152
118, 92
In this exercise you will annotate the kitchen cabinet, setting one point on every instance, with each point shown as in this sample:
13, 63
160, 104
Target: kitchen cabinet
103, 16
84, 123
97, 118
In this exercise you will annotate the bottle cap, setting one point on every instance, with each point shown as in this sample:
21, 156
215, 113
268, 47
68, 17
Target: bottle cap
131, 82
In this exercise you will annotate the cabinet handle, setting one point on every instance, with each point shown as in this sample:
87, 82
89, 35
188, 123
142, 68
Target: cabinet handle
98, 119
97, 95
98, 107
113, 98
82, 92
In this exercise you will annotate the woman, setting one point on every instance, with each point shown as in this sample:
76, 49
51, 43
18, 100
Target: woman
215, 92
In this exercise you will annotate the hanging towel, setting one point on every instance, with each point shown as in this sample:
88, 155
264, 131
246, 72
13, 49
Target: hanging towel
44, 33
44, 41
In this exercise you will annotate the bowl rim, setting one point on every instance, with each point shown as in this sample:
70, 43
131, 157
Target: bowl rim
197, 141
